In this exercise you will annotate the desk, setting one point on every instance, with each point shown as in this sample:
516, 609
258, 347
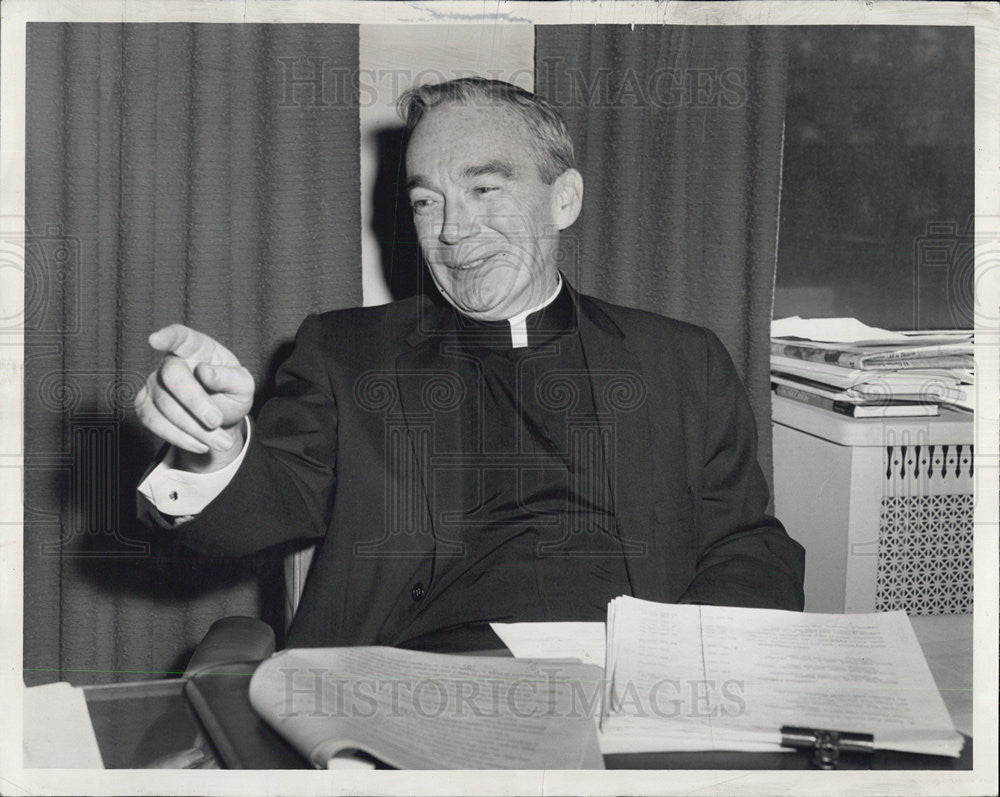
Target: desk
138, 723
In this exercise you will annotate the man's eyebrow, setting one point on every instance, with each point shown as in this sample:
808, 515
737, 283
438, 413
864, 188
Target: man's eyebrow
417, 181
503, 168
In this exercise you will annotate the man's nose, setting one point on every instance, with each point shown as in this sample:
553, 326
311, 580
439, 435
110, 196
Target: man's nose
458, 223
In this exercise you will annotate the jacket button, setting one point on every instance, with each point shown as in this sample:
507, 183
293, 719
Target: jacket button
417, 592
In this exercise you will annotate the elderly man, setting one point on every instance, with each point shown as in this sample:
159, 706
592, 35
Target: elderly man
515, 452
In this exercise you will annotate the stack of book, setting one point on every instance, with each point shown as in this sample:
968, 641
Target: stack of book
849, 368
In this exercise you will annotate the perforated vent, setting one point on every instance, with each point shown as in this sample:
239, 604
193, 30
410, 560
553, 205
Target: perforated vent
925, 554
928, 470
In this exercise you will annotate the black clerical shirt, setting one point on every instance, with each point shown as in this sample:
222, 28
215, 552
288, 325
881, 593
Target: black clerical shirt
523, 516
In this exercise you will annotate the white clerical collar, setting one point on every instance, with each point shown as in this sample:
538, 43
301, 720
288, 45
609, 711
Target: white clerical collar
519, 323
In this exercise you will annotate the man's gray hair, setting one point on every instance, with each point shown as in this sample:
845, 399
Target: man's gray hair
553, 146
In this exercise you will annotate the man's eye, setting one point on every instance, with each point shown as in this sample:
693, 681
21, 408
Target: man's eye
485, 189
421, 205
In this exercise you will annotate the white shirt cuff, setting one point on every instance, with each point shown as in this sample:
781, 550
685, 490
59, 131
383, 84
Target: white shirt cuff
183, 493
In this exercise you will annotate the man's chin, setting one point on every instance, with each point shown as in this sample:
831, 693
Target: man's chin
486, 294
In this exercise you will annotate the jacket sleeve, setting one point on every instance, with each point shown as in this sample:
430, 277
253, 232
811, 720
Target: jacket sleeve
746, 556
284, 488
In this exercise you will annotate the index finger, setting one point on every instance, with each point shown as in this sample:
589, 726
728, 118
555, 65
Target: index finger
191, 345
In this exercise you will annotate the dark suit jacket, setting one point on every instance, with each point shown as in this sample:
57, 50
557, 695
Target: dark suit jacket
343, 454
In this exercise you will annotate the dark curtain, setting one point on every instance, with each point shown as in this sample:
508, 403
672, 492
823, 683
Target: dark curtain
678, 133
201, 174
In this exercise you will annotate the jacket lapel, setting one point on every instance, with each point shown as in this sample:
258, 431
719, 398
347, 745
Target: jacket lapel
431, 392
621, 400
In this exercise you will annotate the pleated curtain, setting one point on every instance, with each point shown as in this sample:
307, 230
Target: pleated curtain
678, 132
192, 173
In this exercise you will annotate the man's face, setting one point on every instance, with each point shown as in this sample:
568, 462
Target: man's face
486, 221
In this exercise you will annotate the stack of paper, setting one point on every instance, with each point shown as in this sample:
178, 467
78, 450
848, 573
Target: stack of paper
719, 678
57, 729
822, 361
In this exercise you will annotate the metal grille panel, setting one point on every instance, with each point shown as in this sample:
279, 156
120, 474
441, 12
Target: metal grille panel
925, 554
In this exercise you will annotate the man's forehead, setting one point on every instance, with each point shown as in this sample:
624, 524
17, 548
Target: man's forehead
461, 126
470, 134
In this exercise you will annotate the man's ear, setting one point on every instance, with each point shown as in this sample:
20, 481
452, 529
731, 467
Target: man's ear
567, 198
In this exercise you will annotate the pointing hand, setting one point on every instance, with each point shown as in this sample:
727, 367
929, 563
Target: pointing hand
198, 396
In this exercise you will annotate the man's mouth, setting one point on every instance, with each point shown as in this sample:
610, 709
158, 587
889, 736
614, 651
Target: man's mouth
468, 265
